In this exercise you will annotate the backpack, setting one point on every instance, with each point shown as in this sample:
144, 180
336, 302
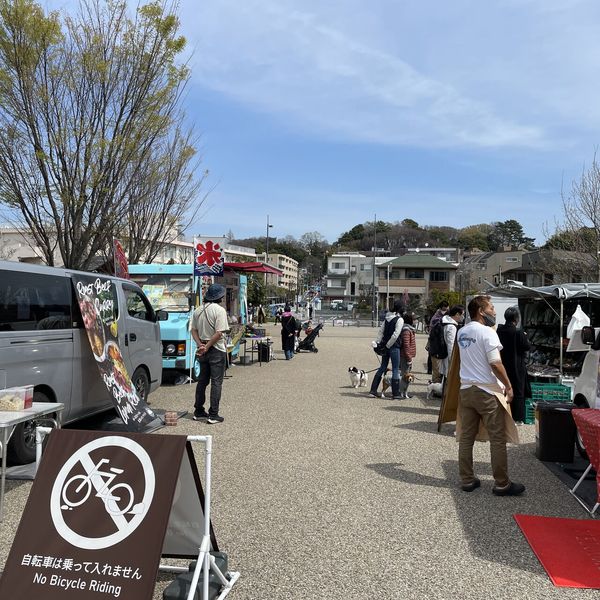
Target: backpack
437, 343
388, 331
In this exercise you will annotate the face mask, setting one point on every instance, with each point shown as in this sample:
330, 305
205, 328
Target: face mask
489, 320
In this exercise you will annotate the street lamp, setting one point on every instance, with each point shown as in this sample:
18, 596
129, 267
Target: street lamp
267, 248
267, 251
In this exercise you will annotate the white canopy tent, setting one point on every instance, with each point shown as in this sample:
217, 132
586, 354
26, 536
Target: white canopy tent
561, 292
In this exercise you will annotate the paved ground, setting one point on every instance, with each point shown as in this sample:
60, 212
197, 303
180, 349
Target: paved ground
322, 492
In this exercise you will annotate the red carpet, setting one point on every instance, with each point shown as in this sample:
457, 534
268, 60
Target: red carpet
569, 549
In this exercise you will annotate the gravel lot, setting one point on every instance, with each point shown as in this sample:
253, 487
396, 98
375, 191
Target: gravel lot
321, 491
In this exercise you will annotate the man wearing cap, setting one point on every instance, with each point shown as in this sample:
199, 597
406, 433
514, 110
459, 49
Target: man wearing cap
209, 325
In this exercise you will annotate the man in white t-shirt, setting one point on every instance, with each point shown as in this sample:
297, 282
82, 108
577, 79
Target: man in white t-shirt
482, 375
209, 326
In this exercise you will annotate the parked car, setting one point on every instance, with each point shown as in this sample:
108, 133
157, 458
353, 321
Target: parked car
44, 343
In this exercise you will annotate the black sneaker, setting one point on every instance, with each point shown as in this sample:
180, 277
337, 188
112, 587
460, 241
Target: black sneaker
200, 416
512, 489
213, 420
374, 394
469, 487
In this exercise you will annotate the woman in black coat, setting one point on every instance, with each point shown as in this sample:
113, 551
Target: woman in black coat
288, 332
515, 345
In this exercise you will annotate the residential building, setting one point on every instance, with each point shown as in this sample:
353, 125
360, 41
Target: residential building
18, 245
453, 255
534, 268
480, 270
289, 266
350, 276
415, 276
547, 266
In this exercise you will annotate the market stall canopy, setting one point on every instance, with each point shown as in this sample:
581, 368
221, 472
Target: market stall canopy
565, 291
253, 267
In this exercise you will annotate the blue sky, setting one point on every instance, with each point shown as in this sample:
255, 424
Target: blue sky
321, 114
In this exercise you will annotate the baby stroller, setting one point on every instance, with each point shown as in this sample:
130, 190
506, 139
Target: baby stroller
308, 343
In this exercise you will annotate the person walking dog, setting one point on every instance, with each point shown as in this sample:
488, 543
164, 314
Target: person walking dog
209, 327
389, 334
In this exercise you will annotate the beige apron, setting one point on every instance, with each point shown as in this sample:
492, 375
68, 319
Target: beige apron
512, 433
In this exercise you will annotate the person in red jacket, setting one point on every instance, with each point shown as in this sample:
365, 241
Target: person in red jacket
408, 351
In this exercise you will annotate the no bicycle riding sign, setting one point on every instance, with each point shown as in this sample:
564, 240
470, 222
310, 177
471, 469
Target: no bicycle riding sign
102, 511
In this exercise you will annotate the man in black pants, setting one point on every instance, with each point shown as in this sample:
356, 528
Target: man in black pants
209, 325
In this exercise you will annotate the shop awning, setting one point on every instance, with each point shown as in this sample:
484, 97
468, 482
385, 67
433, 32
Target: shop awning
564, 291
253, 267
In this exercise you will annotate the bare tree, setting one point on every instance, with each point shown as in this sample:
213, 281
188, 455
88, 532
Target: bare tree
92, 140
581, 208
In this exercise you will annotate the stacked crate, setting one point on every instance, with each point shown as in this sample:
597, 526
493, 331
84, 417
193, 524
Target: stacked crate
547, 392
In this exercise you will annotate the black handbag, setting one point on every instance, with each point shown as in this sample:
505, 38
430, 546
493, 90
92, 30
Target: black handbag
380, 349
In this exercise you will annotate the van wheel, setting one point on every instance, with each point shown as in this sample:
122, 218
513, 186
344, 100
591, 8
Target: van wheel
196, 369
141, 383
581, 402
21, 448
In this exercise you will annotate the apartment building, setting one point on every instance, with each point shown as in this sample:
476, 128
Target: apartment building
289, 266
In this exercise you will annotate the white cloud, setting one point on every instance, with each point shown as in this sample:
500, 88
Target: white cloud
313, 73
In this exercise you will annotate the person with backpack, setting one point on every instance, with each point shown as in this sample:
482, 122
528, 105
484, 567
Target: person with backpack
389, 335
450, 324
407, 352
442, 309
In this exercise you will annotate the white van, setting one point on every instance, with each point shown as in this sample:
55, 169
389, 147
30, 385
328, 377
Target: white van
43, 343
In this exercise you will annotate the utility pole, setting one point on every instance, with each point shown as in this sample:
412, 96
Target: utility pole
374, 300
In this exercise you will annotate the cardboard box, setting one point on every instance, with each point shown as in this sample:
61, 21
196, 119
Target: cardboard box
16, 398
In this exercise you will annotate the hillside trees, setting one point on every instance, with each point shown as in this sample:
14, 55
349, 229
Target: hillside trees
93, 143
407, 233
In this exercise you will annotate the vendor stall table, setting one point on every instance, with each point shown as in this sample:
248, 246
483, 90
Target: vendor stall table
588, 424
10, 419
256, 345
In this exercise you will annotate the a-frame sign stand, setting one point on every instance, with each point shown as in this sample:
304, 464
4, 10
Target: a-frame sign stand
206, 562
101, 523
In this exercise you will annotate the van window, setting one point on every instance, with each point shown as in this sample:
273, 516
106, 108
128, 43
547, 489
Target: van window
31, 302
138, 306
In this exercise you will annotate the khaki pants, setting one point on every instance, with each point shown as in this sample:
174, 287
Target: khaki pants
475, 404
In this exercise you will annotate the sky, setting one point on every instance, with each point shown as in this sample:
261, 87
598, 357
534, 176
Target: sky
319, 115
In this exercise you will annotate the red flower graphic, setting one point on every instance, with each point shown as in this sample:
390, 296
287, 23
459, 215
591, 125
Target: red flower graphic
209, 254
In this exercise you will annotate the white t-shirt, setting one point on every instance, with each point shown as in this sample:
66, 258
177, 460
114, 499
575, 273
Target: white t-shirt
477, 343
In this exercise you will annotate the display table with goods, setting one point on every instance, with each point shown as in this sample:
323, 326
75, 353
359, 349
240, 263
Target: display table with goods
545, 321
560, 367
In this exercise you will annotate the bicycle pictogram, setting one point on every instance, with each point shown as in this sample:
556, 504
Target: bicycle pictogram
118, 499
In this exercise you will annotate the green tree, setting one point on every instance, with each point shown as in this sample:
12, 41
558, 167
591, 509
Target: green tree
353, 235
579, 240
410, 224
509, 233
92, 137
474, 236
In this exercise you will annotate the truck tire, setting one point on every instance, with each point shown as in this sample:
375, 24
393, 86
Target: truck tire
196, 369
141, 383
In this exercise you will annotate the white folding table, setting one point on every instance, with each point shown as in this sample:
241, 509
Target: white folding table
10, 419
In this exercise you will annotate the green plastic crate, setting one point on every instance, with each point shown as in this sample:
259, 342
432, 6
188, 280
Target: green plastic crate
529, 412
545, 392
550, 392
